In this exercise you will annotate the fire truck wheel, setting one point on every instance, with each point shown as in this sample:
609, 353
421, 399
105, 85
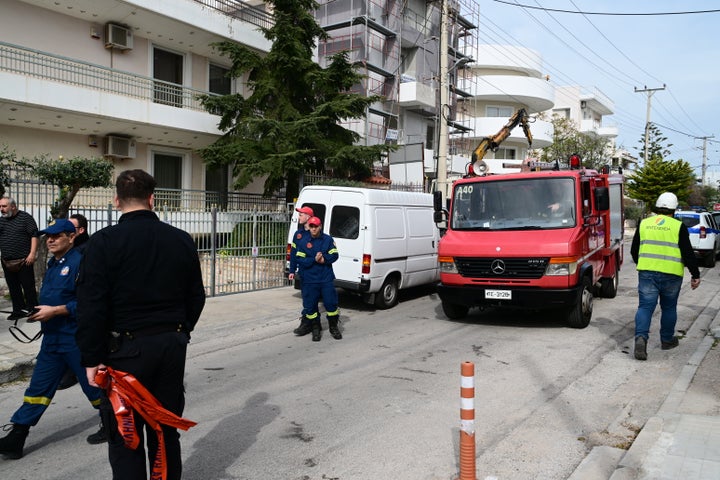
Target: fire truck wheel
387, 297
609, 286
454, 311
580, 314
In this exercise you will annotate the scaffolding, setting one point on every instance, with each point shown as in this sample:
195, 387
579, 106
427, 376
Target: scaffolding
393, 42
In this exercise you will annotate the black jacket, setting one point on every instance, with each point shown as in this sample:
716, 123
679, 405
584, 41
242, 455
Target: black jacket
137, 274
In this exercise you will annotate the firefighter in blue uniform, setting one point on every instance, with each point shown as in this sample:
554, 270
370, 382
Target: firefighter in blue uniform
304, 213
315, 257
59, 351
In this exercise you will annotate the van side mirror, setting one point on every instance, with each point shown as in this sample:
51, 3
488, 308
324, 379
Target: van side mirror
602, 199
437, 202
438, 216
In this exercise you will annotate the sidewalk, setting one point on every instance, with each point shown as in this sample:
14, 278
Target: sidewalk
681, 441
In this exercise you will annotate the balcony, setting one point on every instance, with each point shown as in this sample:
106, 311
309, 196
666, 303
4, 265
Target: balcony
592, 127
536, 94
541, 130
51, 92
417, 94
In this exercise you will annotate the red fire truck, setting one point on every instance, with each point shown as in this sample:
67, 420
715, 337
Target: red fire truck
546, 237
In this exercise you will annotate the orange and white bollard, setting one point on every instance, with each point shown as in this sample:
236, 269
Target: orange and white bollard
467, 421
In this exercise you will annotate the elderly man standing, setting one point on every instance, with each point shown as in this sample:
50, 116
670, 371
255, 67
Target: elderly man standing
18, 250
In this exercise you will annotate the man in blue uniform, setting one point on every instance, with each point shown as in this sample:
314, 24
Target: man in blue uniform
57, 312
304, 213
315, 256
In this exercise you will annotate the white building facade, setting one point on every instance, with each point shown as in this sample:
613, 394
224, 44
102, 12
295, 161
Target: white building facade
120, 79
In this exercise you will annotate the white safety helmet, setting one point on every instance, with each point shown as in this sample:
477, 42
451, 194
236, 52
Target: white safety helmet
667, 200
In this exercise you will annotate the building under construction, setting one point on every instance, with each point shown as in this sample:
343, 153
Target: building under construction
396, 47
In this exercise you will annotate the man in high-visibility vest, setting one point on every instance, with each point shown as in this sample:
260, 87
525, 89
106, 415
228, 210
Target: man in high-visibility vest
661, 249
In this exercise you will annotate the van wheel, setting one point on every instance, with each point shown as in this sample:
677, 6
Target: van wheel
454, 311
387, 297
580, 314
609, 286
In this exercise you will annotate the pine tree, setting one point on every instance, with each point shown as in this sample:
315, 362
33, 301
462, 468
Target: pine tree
658, 175
290, 122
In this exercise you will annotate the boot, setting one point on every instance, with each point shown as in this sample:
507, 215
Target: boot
12, 444
304, 328
68, 380
333, 327
316, 330
98, 437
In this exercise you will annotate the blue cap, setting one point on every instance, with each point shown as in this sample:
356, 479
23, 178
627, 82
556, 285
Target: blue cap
58, 226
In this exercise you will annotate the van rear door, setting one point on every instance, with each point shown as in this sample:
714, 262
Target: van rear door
346, 216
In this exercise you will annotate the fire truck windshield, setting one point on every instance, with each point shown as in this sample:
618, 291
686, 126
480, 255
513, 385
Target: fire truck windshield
519, 204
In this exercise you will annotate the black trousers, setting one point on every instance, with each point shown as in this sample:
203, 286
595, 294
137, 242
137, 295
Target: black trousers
21, 286
158, 362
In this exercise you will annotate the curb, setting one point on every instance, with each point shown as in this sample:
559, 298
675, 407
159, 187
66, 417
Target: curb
16, 370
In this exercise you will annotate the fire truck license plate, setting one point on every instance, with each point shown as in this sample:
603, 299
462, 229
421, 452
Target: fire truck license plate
499, 294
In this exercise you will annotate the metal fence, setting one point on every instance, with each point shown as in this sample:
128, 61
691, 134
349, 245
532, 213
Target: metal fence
241, 248
35, 63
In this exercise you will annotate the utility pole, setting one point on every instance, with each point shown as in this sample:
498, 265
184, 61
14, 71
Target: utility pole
444, 101
650, 92
704, 162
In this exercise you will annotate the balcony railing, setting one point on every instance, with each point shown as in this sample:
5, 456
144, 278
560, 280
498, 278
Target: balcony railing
46, 66
241, 11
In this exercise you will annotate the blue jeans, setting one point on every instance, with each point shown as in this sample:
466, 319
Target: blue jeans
651, 286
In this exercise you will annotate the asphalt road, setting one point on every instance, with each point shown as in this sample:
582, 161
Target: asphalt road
384, 401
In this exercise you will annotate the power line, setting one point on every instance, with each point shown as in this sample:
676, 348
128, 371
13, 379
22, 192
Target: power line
514, 4
614, 46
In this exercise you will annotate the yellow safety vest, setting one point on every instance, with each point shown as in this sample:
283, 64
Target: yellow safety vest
659, 250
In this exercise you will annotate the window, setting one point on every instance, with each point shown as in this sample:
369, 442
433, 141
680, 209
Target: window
168, 70
562, 112
430, 137
505, 154
345, 222
219, 81
499, 111
168, 173
216, 185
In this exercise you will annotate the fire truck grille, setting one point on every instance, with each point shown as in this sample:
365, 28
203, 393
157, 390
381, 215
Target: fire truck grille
514, 268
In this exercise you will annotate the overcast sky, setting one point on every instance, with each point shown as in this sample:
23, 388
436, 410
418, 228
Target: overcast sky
616, 53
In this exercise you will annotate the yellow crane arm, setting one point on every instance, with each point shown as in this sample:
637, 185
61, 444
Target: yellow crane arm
492, 143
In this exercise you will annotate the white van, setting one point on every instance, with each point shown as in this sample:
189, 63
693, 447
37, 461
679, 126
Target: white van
386, 240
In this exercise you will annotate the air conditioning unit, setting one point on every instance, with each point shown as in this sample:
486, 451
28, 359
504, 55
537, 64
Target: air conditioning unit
118, 36
119, 147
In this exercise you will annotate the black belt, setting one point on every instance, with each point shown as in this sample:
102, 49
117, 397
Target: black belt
153, 330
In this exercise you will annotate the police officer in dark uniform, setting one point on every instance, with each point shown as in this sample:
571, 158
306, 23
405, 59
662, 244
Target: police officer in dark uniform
140, 294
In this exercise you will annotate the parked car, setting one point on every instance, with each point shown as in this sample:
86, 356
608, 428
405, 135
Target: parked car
716, 216
704, 234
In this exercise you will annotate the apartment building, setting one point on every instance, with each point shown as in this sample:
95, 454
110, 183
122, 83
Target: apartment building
120, 79
396, 47
499, 81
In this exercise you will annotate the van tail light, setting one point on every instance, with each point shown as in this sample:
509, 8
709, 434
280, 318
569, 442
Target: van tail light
703, 233
287, 252
366, 263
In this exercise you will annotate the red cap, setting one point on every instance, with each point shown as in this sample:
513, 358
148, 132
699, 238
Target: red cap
305, 210
314, 221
